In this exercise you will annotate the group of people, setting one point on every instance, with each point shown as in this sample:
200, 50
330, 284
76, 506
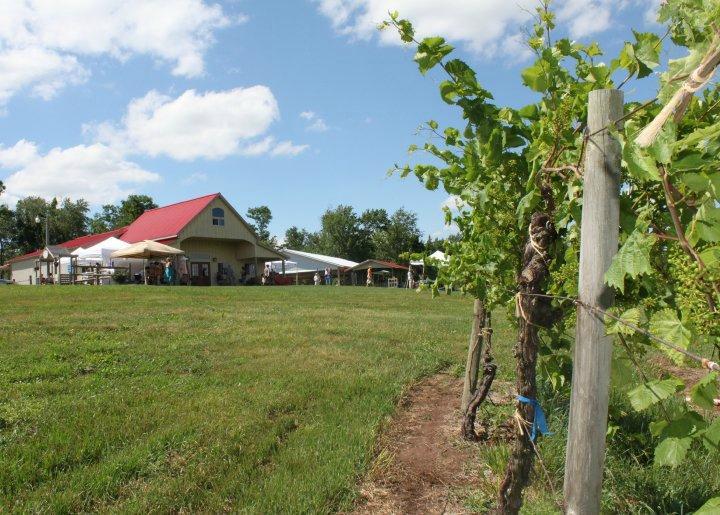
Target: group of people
327, 276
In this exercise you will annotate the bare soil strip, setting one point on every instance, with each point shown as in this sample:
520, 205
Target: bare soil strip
423, 465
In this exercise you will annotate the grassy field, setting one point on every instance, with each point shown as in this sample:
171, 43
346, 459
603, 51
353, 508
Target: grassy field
164, 399
261, 400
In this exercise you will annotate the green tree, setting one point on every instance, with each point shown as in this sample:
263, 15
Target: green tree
342, 234
262, 216
297, 239
2, 188
398, 236
106, 220
28, 234
374, 220
69, 221
115, 216
131, 208
7, 224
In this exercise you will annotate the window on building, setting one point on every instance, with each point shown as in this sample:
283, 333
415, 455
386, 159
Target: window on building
218, 216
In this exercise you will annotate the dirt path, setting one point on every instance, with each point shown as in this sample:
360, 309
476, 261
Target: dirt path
423, 466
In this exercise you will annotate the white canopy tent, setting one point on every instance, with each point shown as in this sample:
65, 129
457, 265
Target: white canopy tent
101, 252
438, 255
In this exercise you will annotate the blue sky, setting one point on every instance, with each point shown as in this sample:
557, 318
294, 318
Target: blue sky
300, 105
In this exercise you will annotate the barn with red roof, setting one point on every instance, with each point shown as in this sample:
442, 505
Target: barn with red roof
222, 248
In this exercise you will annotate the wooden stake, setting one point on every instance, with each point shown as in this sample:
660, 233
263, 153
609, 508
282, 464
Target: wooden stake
593, 349
473, 358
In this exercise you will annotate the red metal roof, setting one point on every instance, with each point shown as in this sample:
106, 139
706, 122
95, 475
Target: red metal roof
92, 239
378, 263
391, 264
166, 222
83, 241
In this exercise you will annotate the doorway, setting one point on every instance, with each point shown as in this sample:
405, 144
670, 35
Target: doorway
200, 274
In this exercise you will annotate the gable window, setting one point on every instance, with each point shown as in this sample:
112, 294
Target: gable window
218, 216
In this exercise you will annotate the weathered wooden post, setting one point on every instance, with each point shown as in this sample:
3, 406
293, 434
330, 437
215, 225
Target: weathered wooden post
593, 349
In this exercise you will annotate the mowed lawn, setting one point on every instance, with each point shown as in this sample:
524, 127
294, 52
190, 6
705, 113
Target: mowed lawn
241, 399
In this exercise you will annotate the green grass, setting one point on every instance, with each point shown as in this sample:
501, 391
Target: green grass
260, 400
243, 399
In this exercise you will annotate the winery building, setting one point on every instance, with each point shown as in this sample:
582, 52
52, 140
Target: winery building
221, 246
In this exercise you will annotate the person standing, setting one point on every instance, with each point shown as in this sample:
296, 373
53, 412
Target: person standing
328, 276
369, 281
410, 279
316, 278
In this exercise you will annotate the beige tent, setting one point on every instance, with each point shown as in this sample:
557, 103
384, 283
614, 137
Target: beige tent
146, 249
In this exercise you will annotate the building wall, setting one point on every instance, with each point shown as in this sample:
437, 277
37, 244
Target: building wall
215, 251
202, 227
22, 270
232, 243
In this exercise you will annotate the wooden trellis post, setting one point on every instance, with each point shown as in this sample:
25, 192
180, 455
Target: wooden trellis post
593, 349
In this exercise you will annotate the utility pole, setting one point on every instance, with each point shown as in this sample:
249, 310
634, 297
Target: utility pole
585, 458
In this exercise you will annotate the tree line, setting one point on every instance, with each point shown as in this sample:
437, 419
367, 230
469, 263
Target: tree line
374, 233
22, 229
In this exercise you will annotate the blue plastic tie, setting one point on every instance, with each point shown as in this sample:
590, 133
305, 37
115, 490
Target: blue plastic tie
539, 421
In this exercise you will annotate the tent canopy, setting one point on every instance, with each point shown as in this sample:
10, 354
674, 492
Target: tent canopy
101, 251
438, 255
146, 249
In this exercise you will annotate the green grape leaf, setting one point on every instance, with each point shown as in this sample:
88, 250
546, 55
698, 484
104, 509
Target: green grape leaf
430, 52
632, 259
647, 52
666, 325
706, 224
647, 394
448, 91
690, 423
632, 316
691, 161
712, 507
662, 147
527, 204
711, 256
640, 165
705, 391
711, 437
700, 137
621, 372
534, 77
672, 451
697, 182
530, 112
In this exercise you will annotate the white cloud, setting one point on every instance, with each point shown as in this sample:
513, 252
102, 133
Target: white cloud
39, 70
210, 125
651, 10
317, 125
97, 173
41, 40
195, 178
486, 27
287, 148
21, 154
478, 24
585, 18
